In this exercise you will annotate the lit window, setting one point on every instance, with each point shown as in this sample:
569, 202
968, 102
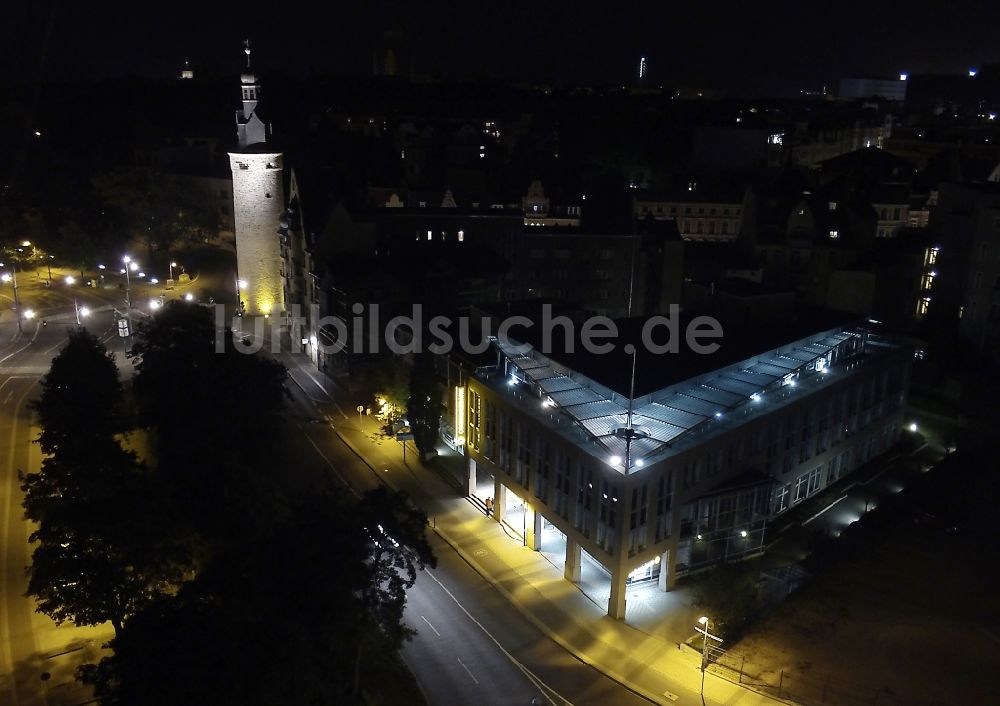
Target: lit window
833, 205
923, 304
461, 236
834, 234
430, 235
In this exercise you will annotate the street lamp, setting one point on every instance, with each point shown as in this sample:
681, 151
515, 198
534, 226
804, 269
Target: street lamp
81, 311
706, 623
130, 266
172, 266
17, 304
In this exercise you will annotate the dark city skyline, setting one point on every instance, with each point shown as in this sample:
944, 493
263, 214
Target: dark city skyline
737, 47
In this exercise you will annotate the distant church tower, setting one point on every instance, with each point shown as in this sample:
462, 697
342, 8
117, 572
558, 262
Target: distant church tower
258, 202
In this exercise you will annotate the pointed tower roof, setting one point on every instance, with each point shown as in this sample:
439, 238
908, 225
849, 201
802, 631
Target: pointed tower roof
250, 128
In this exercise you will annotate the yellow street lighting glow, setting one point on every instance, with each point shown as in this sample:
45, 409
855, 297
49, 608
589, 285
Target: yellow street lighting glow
70, 279
460, 412
29, 314
188, 297
5, 277
25, 243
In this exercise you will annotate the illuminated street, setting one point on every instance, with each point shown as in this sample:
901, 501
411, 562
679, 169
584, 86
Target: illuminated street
38, 658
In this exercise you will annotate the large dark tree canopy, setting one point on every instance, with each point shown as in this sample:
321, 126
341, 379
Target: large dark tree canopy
99, 550
81, 395
215, 417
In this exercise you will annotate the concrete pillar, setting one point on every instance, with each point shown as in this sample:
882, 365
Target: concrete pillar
573, 559
499, 499
532, 528
470, 465
661, 581
616, 601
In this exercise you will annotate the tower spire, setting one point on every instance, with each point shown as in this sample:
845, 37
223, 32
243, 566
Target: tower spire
246, 50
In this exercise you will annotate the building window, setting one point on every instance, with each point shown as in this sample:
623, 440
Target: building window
461, 236
923, 304
834, 234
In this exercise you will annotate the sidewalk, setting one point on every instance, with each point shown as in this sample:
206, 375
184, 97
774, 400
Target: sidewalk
657, 669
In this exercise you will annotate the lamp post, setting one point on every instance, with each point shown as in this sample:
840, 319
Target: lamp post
241, 284
706, 623
17, 304
172, 266
129, 266
81, 312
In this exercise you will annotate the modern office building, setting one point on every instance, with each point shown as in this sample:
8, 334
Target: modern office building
688, 469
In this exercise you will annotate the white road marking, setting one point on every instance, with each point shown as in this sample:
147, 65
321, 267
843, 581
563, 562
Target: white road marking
332, 468
430, 626
532, 677
468, 671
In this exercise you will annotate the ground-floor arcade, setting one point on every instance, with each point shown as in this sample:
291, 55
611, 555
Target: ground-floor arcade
638, 594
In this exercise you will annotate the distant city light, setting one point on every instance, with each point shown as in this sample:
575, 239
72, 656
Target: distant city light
972, 72
29, 314
903, 77
189, 297
154, 304
84, 311
642, 67
913, 427
70, 279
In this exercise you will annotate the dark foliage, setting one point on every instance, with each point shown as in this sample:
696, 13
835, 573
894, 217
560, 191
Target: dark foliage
424, 406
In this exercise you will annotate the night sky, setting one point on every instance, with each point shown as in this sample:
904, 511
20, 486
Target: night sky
742, 47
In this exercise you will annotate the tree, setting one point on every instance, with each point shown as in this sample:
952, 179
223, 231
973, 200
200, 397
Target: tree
729, 595
214, 414
280, 619
424, 406
99, 555
155, 208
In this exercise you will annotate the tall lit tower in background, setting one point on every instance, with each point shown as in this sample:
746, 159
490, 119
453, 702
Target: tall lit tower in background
258, 202
642, 69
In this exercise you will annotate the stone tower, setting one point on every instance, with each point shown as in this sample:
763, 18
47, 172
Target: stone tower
258, 202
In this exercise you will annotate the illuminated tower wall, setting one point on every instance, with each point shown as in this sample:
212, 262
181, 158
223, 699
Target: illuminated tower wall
258, 202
